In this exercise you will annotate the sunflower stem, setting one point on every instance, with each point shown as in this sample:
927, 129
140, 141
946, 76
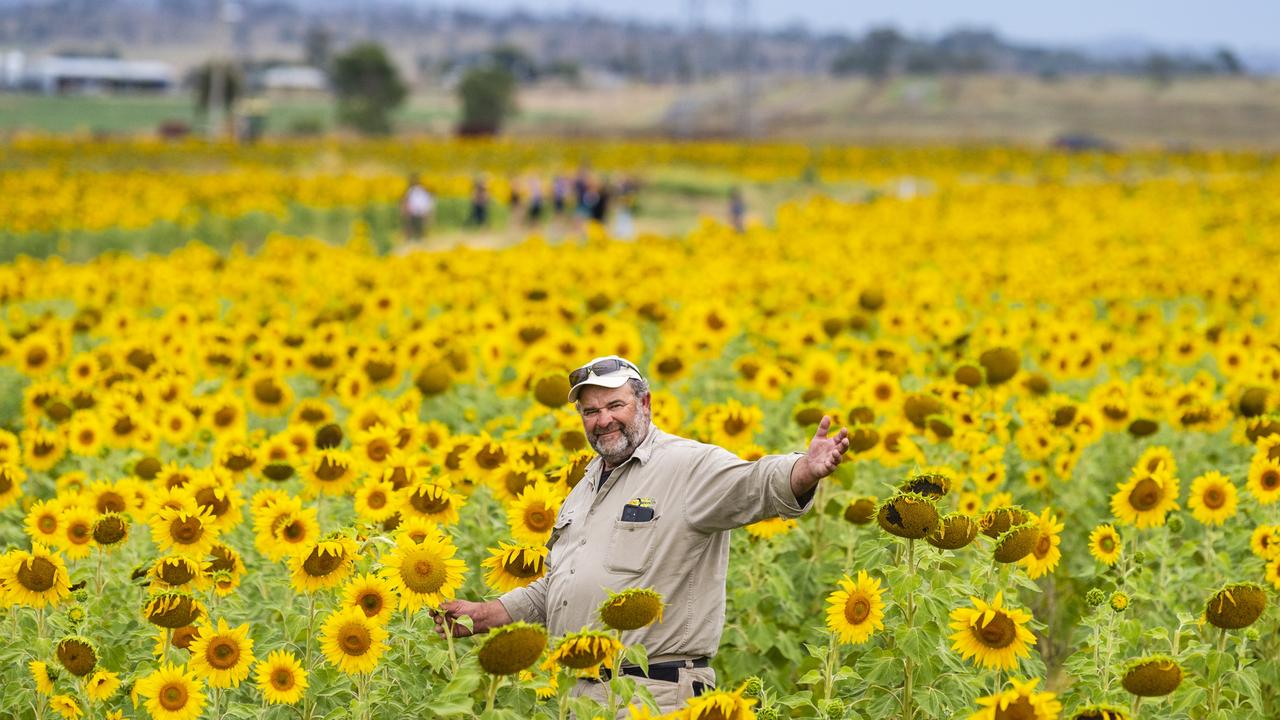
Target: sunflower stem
1137, 703
448, 640
97, 573
308, 703
908, 710
829, 669
494, 681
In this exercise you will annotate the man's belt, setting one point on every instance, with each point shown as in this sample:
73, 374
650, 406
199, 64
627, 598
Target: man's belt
664, 671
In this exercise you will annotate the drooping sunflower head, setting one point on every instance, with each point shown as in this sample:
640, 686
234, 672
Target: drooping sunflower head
908, 515
861, 509
1152, 676
726, 705
1101, 712
631, 609
77, 654
999, 520
992, 635
1017, 542
955, 531
110, 530
172, 609
1236, 606
512, 566
856, 609
931, 485
176, 571
512, 648
585, 650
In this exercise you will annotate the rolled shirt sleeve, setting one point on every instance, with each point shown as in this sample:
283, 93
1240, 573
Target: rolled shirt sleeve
527, 604
730, 492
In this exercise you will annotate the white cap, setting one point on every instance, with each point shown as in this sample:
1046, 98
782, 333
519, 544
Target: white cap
615, 379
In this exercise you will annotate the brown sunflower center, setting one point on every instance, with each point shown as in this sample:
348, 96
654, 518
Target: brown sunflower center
490, 458
37, 574
1020, 709
79, 532
330, 470
423, 573
223, 653
1145, 495
111, 501
371, 602
186, 530
293, 531
516, 482
320, 564
857, 609
282, 679
267, 392
520, 569
1270, 480
538, 519
378, 450
997, 634
354, 639
1043, 546
376, 500
733, 425
429, 502
176, 573
1214, 498
47, 524
173, 697
1107, 543
217, 503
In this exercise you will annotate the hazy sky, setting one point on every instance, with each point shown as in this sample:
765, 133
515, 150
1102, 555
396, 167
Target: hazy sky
1243, 24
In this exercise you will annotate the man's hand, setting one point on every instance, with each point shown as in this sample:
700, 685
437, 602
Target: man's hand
484, 617
825, 454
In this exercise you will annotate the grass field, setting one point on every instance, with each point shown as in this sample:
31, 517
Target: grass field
1127, 111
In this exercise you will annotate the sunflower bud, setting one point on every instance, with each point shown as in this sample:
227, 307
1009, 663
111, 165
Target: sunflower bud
753, 686
1119, 602
1095, 597
1175, 524
833, 707
1140, 558
769, 712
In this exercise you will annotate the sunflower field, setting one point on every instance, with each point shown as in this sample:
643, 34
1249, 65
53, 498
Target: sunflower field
236, 477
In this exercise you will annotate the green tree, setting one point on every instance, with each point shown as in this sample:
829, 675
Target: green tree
368, 87
488, 97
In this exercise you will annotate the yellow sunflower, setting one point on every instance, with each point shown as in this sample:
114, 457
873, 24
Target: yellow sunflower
352, 642
281, 678
424, 574
373, 595
330, 472
43, 676
1046, 554
431, 501
990, 634
66, 706
75, 532
35, 578
1265, 541
376, 500
585, 650
1105, 545
533, 515
1145, 498
512, 566
174, 572
184, 532
220, 655
11, 478
1020, 702
1264, 480
770, 528
856, 610
1213, 498
325, 565
720, 705
172, 693
42, 522
102, 685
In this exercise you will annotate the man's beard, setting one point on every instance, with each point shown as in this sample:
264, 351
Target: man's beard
617, 448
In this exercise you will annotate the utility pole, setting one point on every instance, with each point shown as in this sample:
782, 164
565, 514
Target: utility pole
228, 14
746, 66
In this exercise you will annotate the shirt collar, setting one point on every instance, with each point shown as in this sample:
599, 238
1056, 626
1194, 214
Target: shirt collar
640, 454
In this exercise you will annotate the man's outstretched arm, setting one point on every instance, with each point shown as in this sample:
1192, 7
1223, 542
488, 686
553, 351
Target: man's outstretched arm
484, 616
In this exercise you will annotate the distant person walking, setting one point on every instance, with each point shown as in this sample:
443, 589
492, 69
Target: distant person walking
534, 214
479, 215
416, 206
737, 210
559, 193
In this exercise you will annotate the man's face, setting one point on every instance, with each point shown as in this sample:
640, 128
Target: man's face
614, 420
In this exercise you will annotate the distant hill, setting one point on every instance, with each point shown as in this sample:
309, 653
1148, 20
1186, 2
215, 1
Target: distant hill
430, 43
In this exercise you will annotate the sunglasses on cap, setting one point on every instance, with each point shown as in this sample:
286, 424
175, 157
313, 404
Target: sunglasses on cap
604, 367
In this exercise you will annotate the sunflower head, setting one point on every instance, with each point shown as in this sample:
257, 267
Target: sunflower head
1236, 606
172, 610
1101, 712
585, 649
856, 609
1000, 364
1017, 542
932, 485
1152, 676
908, 515
999, 520
110, 529
631, 609
725, 705
512, 648
955, 531
77, 654
861, 510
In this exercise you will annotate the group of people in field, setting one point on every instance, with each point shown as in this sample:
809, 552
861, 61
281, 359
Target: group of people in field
531, 200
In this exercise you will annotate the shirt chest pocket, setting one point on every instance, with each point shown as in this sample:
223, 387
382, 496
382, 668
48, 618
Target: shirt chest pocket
557, 534
631, 545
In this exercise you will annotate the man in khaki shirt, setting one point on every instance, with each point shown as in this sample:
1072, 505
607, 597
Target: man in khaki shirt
652, 511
